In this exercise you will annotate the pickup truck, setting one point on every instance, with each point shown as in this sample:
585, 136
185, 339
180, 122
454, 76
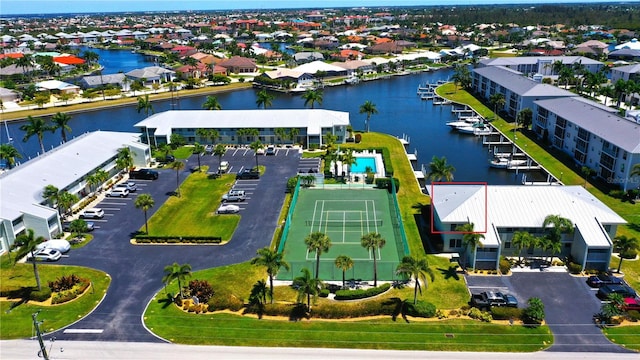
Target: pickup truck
487, 299
146, 174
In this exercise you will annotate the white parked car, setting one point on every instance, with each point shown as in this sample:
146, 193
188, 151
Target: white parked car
56, 244
129, 185
234, 195
224, 167
228, 209
93, 213
260, 151
45, 255
118, 191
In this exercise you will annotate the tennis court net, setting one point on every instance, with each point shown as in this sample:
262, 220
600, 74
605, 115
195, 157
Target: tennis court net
343, 223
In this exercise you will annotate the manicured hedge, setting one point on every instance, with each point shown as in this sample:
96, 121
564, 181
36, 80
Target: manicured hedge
68, 295
41, 295
506, 313
385, 183
222, 300
150, 239
421, 309
361, 294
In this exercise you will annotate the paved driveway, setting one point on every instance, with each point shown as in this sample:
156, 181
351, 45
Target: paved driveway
569, 306
137, 271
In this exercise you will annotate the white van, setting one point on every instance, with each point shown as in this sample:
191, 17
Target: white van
234, 195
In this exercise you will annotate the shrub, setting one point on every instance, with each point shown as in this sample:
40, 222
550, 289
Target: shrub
421, 309
358, 138
618, 194
633, 315
385, 183
341, 310
291, 183
629, 254
224, 300
40, 295
505, 265
506, 313
534, 313
574, 268
64, 283
361, 294
200, 289
478, 314
324, 293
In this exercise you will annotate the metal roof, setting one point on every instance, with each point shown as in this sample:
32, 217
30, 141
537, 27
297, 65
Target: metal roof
523, 207
619, 131
21, 187
311, 119
517, 83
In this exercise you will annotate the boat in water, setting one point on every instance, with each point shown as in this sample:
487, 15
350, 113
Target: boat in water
469, 121
505, 163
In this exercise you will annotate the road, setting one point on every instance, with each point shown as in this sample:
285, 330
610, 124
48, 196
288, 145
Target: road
82, 350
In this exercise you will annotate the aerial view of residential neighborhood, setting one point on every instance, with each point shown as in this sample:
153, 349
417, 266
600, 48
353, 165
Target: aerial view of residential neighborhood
185, 182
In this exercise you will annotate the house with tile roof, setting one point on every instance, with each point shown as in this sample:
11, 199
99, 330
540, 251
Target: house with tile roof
239, 65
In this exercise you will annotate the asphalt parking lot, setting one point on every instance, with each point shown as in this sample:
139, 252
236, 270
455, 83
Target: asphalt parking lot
136, 271
569, 306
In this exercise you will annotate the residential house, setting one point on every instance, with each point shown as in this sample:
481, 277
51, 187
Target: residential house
151, 75
239, 65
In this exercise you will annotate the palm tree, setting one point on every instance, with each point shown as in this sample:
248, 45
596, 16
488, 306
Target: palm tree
50, 193
418, 269
66, 201
498, 101
145, 202
78, 227
26, 61
522, 240
344, 263
198, 149
439, 169
124, 159
177, 166
29, 243
264, 99
560, 225
470, 238
307, 285
255, 146
273, 261
368, 108
178, 272
461, 76
219, 151
312, 97
35, 126
9, 153
623, 244
318, 242
61, 121
293, 133
348, 158
281, 133
211, 103
144, 104
372, 242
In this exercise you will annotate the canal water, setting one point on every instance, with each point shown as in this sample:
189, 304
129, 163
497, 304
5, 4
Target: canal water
400, 111
115, 61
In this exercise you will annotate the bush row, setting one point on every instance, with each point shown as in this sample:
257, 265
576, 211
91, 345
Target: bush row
223, 300
150, 239
506, 313
40, 295
385, 183
478, 314
361, 294
421, 309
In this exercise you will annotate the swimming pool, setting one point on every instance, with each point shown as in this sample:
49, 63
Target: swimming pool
362, 163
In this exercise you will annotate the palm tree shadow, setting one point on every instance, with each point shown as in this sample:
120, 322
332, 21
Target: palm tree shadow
399, 308
451, 272
634, 226
168, 300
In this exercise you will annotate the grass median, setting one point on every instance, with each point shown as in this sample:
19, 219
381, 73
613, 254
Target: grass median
15, 316
175, 325
194, 212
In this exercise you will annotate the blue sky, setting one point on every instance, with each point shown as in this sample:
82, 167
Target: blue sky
11, 7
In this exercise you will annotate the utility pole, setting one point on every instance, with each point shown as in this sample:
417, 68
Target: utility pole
36, 324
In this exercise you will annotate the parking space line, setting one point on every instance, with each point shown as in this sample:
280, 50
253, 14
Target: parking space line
245, 152
112, 203
111, 209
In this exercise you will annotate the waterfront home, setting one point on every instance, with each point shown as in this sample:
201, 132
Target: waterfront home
94, 81
66, 167
239, 65
498, 211
310, 126
151, 75
530, 65
284, 75
595, 136
57, 87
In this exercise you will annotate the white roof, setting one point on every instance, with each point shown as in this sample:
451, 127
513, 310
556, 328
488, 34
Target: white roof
633, 45
21, 187
513, 206
55, 85
311, 119
315, 66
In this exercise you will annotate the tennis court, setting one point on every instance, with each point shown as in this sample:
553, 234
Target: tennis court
345, 216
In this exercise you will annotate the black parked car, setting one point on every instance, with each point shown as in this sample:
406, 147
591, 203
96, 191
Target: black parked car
146, 174
248, 174
624, 290
602, 280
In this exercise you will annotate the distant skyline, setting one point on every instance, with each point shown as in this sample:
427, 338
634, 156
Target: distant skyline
38, 7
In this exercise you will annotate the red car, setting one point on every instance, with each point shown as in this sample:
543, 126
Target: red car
631, 304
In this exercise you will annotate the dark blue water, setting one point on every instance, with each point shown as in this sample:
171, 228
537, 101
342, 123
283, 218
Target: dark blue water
115, 61
400, 111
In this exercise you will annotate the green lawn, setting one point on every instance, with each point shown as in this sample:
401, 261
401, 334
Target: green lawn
628, 336
193, 213
559, 164
17, 322
382, 333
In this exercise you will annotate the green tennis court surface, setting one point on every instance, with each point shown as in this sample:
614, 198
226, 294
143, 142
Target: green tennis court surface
345, 216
